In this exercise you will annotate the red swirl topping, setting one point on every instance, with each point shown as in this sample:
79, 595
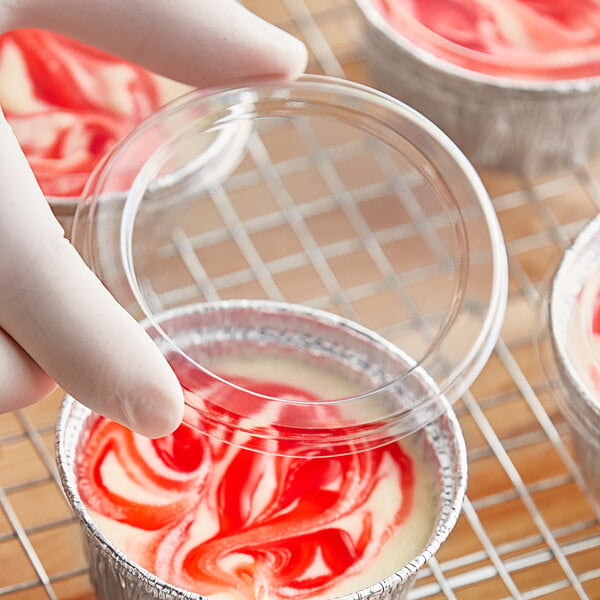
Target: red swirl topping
539, 39
69, 104
219, 519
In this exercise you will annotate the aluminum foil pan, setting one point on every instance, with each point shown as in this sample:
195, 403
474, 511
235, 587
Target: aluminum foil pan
524, 127
115, 577
579, 405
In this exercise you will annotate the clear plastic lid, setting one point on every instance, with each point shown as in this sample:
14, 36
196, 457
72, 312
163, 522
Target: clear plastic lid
319, 221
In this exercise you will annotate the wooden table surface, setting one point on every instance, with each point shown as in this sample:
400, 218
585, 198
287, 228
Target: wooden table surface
529, 527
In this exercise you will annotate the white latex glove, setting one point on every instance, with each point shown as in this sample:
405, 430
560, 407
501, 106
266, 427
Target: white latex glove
57, 322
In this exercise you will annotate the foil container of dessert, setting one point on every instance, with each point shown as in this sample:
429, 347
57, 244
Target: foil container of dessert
116, 577
525, 127
574, 397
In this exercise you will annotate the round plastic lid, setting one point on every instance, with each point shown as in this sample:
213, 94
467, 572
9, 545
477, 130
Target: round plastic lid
321, 193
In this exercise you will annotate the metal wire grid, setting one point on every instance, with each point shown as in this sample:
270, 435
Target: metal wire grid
529, 527
263, 265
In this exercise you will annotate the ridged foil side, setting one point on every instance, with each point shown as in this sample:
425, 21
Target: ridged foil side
113, 581
524, 128
115, 577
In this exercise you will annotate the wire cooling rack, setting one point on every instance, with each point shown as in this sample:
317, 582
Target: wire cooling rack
529, 527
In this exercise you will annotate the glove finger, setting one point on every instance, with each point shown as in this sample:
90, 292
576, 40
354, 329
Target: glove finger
53, 306
198, 42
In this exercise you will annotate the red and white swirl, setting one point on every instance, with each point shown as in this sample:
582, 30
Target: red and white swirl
232, 523
68, 104
525, 39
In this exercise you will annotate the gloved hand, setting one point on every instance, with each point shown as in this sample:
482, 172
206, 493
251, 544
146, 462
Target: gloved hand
57, 322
